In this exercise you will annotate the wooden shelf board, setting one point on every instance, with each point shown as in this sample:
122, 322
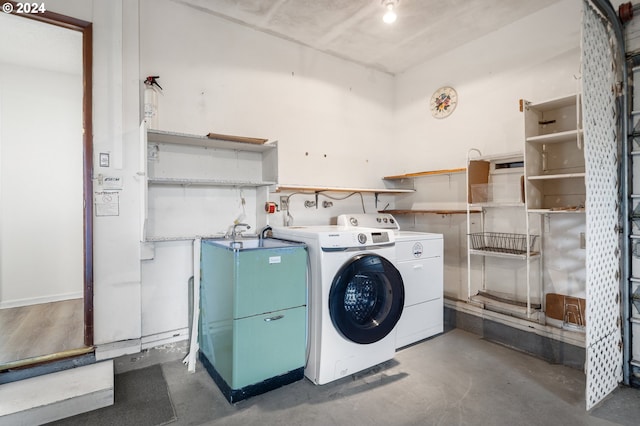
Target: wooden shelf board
312, 189
555, 211
426, 211
425, 173
160, 136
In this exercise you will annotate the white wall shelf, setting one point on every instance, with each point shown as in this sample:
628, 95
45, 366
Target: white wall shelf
532, 255
555, 194
161, 136
569, 135
580, 175
190, 178
206, 182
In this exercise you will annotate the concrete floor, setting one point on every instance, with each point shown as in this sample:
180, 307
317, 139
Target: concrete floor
456, 378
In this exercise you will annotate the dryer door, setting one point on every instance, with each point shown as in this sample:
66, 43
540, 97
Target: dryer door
366, 298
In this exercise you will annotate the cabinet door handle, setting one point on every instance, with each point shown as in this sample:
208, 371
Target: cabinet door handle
277, 317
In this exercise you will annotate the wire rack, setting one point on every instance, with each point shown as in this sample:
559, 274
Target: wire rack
502, 242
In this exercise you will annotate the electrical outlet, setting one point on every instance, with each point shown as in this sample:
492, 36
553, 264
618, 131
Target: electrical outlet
284, 202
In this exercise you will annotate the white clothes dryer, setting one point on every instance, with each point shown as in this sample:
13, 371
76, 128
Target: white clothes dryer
356, 297
419, 258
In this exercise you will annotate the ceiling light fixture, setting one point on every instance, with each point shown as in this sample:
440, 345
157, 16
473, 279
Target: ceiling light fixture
390, 17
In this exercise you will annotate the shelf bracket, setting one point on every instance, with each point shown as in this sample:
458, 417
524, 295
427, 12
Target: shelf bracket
375, 196
316, 194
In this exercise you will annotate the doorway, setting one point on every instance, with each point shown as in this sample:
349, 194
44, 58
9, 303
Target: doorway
46, 273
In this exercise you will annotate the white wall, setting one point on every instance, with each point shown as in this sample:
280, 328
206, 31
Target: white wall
117, 302
222, 77
41, 243
332, 119
536, 58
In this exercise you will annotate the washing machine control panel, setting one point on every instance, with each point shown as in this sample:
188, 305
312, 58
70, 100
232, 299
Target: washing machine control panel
369, 220
356, 238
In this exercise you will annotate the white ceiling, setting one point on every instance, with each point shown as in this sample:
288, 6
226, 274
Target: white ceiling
353, 29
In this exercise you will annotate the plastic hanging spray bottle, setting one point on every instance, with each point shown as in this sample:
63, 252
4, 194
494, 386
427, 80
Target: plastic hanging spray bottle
151, 90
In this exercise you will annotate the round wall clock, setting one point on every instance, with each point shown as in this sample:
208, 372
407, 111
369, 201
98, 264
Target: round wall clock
443, 102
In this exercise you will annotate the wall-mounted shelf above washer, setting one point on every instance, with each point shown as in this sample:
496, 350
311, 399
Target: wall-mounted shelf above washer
406, 182
428, 211
209, 141
314, 189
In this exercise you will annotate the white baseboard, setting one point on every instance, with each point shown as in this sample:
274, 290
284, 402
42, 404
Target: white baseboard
160, 339
133, 346
42, 299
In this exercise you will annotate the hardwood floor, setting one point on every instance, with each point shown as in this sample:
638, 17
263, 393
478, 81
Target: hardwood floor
39, 330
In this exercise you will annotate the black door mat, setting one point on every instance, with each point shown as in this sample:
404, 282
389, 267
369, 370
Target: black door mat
141, 398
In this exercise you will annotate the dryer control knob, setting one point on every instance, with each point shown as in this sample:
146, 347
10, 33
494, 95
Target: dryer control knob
362, 238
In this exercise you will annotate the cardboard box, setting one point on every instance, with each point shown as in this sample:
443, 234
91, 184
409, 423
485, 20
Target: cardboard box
568, 309
478, 174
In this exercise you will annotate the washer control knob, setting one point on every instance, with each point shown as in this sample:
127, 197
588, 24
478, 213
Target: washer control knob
362, 238
353, 221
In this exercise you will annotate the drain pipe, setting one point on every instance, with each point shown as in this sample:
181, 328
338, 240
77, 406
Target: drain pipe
626, 13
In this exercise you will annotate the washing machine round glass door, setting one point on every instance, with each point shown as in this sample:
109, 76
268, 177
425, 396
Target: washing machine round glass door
366, 298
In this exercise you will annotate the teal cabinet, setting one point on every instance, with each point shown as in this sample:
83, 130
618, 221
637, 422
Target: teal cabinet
253, 315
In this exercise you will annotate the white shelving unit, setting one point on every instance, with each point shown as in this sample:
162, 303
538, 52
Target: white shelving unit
555, 194
499, 248
554, 159
186, 178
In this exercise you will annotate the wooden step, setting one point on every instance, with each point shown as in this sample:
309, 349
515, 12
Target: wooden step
58, 395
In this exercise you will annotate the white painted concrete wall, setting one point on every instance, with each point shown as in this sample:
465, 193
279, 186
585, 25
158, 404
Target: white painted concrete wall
117, 302
332, 119
536, 58
41, 249
222, 77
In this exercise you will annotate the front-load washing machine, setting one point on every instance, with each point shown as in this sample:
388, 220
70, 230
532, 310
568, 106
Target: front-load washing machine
419, 257
356, 297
